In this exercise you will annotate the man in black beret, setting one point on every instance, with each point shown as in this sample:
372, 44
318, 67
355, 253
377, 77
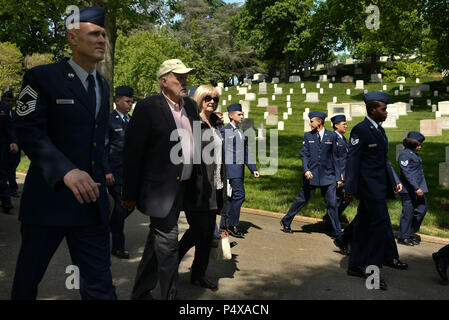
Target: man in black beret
61, 120
115, 140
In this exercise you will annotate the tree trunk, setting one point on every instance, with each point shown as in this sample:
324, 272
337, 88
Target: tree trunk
287, 66
373, 63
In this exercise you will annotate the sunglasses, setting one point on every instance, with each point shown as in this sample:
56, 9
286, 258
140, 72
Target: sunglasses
209, 98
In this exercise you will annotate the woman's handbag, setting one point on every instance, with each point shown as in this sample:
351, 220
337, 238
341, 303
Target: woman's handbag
223, 249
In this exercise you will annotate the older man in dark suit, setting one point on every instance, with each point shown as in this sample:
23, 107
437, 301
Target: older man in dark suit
157, 163
62, 116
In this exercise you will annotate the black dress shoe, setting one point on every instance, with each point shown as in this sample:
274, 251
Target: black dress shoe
120, 253
342, 246
397, 264
357, 272
440, 265
416, 239
406, 242
235, 232
233, 244
7, 208
203, 282
286, 228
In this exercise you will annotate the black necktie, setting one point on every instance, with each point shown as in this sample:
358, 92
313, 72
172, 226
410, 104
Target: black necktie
318, 136
126, 121
382, 132
92, 96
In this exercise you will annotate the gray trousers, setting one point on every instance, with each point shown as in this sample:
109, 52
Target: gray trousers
160, 257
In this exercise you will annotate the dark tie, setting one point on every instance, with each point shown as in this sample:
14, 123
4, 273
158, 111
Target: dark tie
92, 96
318, 136
382, 132
126, 121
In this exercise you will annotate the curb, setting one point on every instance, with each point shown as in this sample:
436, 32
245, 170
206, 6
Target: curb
298, 218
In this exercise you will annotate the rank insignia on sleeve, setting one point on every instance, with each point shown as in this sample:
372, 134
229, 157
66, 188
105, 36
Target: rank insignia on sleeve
26, 102
354, 141
404, 163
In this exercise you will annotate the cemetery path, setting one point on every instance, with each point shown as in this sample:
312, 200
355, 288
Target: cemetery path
267, 264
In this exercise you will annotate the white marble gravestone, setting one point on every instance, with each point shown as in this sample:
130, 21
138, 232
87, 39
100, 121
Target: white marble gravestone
323, 78
443, 107
263, 88
250, 97
400, 80
415, 92
243, 91
294, 79
359, 85
392, 110
390, 122
259, 77
444, 174
275, 80
402, 108
262, 102
376, 77
358, 109
430, 127
312, 97
339, 108
331, 85
278, 90
272, 120
281, 125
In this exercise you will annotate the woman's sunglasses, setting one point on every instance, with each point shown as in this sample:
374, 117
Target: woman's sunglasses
209, 98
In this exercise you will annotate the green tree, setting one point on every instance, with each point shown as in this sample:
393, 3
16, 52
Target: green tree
37, 59
11, 67
400, 30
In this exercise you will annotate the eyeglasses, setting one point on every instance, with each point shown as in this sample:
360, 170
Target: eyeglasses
209, 98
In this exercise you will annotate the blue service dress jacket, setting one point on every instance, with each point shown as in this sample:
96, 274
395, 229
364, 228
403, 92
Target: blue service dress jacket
236, 153
114, 143
321, 158
369, 174
59, 132
7, 135
412, 174
342, 153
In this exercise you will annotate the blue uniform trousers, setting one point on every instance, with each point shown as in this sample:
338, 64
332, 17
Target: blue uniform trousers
341, 202
89, 250
444, 253
413, 211
372, 235
5, 196
329, 194
234, 204
13, 162
118, 216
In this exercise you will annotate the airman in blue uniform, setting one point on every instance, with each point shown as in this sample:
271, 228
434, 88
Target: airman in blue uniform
236, 157
370, 178
414, 205
15, 152
321, 169
7, 139
115, 140
61, 120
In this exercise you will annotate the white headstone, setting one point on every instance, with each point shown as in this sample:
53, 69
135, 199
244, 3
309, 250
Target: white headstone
250, 97
384, 87
323, 78
229, 97
249, 87
318, 86
443, 107
307, 125
392, 110
358, 109
226, 117
390, 122
291, 90
275, 80
339, 108
321, 90
294, 79
417, 80
273, 97
359, 85
227, 89
262, 102
411, 102
302, 85
402, 108
399, 149
246, 106
265, 114
334, 99
259, 77
401, 87
331, 85
429, 102
243, 91
437, 114
288, 97
272, 120
304, 91
312, 97
365, 91
278, 90
285, 115
347, 79
430, 127
289, 104
444, 174
396, 92
333, 79
290, 111
281, 125
415, 92
348, 92
263, 88
400, 80
435, 93
224, 102
376, 77
220, 84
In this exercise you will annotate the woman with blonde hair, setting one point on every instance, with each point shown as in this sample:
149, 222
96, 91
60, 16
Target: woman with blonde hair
205, 195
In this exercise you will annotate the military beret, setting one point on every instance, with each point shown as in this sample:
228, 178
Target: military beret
416, 135
8, 94
378, 96
93, 15
318, 114
235, 107
338, 118
124, 91
192, 90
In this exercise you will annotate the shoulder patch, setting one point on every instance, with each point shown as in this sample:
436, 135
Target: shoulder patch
354, 141
27, 101
404, 163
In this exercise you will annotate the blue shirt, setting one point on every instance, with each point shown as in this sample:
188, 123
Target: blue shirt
82, 75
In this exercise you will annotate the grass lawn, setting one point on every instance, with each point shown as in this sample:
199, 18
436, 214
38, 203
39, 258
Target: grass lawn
277, 192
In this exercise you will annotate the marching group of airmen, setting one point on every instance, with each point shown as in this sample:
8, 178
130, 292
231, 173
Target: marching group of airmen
79, 151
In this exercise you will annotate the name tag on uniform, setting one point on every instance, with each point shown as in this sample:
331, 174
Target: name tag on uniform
119, 129
65, 101
372, 145
311, 141
328, 142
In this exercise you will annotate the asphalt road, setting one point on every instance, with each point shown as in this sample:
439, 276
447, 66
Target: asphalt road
267, 264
